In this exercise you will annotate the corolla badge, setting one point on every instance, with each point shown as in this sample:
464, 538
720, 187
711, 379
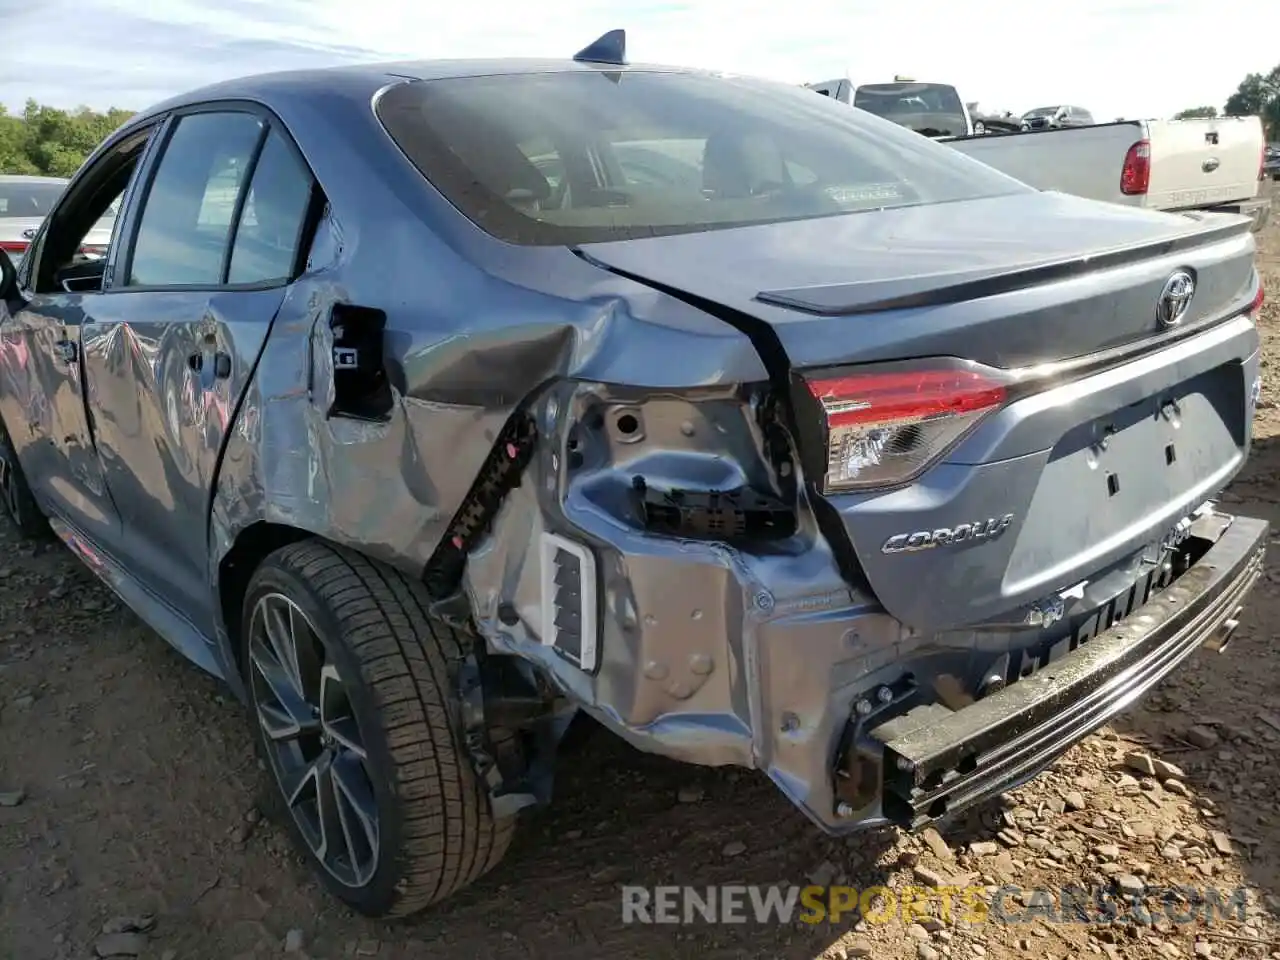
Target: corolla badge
945, 536
29, 233
1175, 299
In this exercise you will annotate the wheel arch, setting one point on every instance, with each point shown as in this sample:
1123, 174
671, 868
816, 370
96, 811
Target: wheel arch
236, 568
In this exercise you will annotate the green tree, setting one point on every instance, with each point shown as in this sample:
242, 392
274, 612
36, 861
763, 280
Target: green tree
1196, 113
52, 142
1258, 95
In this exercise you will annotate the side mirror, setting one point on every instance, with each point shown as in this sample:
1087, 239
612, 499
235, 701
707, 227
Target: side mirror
8, 277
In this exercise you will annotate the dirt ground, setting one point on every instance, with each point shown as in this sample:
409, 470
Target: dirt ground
128, 789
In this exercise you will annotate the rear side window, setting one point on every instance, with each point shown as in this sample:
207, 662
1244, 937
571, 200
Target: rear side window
589, 156
272, 220
186, 221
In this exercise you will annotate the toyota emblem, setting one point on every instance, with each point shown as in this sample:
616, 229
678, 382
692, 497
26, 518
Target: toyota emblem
1175, 298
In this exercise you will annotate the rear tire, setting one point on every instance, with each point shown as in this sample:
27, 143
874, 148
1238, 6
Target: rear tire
16, 499
366, 691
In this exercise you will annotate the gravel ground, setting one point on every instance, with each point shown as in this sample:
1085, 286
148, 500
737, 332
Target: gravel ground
129, 798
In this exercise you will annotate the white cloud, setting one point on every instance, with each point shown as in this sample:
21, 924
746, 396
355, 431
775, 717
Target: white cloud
1129, 58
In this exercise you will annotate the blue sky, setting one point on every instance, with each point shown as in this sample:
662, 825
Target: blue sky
1132, 58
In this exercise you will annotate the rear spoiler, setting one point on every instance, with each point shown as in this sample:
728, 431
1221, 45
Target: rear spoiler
873, 296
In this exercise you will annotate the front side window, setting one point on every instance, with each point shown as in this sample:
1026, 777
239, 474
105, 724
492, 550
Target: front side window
186, 220
590, 156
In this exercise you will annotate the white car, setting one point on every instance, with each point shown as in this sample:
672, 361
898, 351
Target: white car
26, 201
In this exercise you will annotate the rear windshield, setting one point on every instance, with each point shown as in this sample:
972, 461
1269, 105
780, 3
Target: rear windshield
590, 156
933, 109
28, 199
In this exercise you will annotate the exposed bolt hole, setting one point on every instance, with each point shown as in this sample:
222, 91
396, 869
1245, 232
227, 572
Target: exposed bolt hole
507, 614
628, 424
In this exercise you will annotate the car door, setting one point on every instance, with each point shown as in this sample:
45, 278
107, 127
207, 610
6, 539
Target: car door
213, 243
42, 392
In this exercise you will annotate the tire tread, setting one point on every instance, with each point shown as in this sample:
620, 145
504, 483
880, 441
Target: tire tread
449, 837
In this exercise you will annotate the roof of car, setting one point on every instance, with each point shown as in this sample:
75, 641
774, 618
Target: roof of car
377, 75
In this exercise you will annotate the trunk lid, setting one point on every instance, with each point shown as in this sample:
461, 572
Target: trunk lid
1012, 282
1022, 277
16, 233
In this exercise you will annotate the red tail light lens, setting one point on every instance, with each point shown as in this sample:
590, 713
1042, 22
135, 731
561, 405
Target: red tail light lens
1135, 176
1259, 298
885, 427
94, 250
13, 246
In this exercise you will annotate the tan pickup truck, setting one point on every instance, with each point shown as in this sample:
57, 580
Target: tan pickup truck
1174, 165
1160, 164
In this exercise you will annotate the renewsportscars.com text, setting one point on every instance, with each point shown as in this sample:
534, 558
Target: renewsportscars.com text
779, 904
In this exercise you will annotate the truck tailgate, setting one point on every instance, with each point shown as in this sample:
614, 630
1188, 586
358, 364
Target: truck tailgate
1203, 163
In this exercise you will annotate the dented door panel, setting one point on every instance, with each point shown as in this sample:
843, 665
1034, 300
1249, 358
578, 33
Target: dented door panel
165, 372
42, 398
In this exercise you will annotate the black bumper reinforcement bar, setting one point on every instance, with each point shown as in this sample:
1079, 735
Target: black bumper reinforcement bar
1005, 739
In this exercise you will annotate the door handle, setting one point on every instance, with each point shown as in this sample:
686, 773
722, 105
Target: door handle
67, 350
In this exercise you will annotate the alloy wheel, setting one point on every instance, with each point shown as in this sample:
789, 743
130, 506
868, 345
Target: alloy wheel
313, 740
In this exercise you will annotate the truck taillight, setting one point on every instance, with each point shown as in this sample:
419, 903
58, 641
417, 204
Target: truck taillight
13, 246
1135, 175
886, 426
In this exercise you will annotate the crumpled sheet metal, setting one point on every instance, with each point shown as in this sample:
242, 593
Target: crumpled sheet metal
464, 348
709, 653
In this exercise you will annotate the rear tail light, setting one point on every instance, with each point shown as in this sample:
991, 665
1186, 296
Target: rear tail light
886, 426
94, 250
1135, 176
1255, 308
13, 246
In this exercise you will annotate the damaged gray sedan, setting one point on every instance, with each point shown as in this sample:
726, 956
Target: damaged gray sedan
431, 405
